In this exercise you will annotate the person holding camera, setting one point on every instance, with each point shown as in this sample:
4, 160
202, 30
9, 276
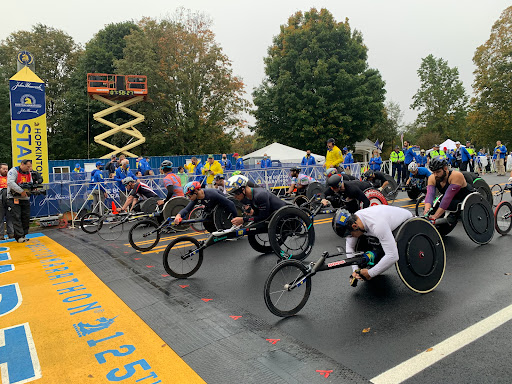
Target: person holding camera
18, 199
4, 213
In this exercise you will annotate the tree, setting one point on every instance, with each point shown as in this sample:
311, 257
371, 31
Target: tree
441, 99
245, 143
318, 84
195, 102
387, 130
491, 115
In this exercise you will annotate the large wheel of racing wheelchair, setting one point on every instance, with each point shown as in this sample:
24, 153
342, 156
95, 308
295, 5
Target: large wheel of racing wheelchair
260, 242
503, 218
390, 191
480, 185
375, 197
301, 201
478, 218
172, 207
413, 193
222, 217
291, 233
314, 189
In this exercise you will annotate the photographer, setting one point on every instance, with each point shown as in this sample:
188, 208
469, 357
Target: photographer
4, 213
18, 198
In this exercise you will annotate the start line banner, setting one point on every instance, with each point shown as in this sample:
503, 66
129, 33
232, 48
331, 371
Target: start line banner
59, 323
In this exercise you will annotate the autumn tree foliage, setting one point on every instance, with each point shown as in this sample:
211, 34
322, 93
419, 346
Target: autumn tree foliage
318, 84
491, 115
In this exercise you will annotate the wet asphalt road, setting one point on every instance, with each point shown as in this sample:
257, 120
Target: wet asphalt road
401, 323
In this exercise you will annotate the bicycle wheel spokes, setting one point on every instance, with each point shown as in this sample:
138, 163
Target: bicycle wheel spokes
91, 223
497, 194
282, 296
111, 228
293, 236
503, 218
181, 258
144, 235
197, 214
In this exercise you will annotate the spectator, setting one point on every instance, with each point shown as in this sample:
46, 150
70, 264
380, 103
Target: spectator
435, 152
4, 211
78, 169
211, 168
138, 173
239, 165
308, 160
450, 157
111, 166
500, 151
462, 157
266, 162
409, 156
397, 158
347, 160
421, 159
121, 173
99, 193
191, 167
481, 161
182, 175
198, 171
472, 155
376, 161
334, 157
144, 167
149, 171
121, 158
18, 200
225, 162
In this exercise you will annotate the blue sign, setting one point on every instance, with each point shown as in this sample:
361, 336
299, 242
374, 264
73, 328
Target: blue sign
27, 99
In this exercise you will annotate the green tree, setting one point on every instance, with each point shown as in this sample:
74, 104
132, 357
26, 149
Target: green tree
441, 99
194, 102
386, 131
491, 115
318, 84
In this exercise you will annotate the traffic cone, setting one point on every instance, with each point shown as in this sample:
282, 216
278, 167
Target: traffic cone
114, 209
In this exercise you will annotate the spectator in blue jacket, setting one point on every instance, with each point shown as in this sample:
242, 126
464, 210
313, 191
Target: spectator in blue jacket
409, 155
198, 173
500, 153
239, 165
225, 163
376, 161
347, 160
421, 158
309, 159
464, 156
99, 193
266, 162
144, 167
121, 173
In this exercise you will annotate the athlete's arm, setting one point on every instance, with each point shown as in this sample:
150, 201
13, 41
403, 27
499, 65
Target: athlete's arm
431, 192
388, 243
170, 192
356, 193
457, 181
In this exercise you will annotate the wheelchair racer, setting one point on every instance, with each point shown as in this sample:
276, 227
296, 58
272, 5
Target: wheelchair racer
333, 171
209, 197
259, 203
417, 175
378, 221
171, 181
219, 183
451, 184
138, 192
350, 191
299, 181
376, 178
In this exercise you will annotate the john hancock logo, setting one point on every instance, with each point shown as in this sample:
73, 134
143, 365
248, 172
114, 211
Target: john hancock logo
29, 101
84, 329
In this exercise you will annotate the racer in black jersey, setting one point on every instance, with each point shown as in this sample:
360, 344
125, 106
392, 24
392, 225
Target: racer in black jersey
138, 192
350, 191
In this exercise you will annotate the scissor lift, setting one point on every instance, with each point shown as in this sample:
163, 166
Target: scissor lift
120, 92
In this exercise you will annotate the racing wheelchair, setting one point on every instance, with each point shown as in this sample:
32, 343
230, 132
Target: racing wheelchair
288, 232
503, 213
421, 266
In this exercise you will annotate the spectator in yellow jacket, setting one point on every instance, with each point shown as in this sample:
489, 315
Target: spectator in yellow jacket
191, 167
211, 168
334, 157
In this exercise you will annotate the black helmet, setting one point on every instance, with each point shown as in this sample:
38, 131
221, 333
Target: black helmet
335, 181
166, 165
368, 174
218, 176
437, 162
295, 169
342, 222
331, 140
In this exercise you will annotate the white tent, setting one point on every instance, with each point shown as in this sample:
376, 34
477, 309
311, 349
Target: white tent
283, 153
449, 144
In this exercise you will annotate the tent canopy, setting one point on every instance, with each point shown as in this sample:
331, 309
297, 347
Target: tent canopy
449, 144
283, 153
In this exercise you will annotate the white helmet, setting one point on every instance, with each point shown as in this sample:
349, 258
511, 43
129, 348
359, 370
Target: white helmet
236, 183
413, 167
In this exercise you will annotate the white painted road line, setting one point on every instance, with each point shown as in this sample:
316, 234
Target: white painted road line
418, 363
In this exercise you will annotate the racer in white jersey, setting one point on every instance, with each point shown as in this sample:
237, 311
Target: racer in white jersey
378, 221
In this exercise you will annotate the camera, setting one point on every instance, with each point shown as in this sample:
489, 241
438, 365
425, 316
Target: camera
35, 187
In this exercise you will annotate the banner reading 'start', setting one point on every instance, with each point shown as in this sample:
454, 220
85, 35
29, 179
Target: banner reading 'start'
28, 121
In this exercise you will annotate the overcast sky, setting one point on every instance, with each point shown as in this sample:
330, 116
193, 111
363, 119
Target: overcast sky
398, 33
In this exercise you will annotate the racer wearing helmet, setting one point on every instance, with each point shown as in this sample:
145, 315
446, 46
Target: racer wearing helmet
376, 178
209, 197
259, 203
171, 181
377, 221
451, 184
333, 171
350, 191
417, 174
334, 157
299, 181
219, 183
138, 192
